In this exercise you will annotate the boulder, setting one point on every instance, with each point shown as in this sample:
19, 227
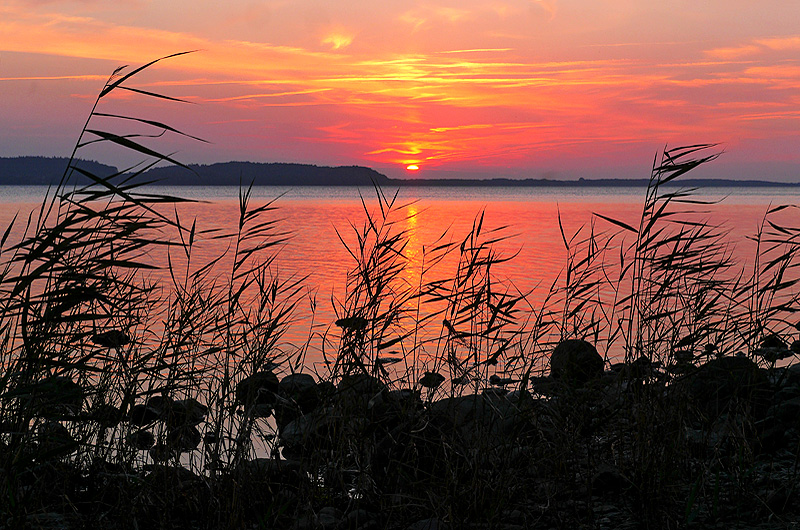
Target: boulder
362, 384
142, 415
773, 349
54, 398
141, 439
162, 453
113, 338
184, 439
170, 477
431, 380
309, 432
486, 417
185, 412
298, 394
722, 382
575, 362
272, 471
257, 393
360, 519
329, 518
357, 389
428, 524
607, 480
300, 390
54, 439
105, 415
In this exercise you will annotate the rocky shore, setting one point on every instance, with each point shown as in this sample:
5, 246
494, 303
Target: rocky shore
710, 442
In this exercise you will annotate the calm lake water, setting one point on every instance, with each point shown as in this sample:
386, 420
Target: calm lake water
312, 215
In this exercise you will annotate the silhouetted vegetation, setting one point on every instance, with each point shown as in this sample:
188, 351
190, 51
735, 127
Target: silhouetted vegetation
137, 400
44, 170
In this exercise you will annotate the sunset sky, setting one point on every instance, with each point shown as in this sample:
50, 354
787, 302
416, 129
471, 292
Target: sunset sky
519, 88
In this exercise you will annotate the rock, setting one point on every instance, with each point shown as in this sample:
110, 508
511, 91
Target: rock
395, 402
787, 412
257, 393
184, 439
404, 398
433, 523
162, 452
326, 390
274, 471
352, 323
141, 439
160, 403
142, 415
772, 439
112, 338
515, 517
54, 398
309, 432
359, 384
302, 389
494, 392
781, 498
185, 412
359, 520
105, 415
773, 341
54, 439
305, 522
793, 374
167, 477
329, 517
643, 369
356, 390
431, 379
299, 395
680, 356
544, 385
496, 380
575, 362
721, 381
607, 480
773, 349
47, 521
486, 418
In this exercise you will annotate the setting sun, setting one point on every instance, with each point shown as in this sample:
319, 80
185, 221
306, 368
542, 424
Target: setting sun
412, 167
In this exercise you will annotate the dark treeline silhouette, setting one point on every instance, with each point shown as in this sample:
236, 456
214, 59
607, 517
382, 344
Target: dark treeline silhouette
40, 170
266, 174
45, 170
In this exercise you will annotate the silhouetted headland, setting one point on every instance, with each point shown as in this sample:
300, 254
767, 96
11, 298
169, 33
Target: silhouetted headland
35, 170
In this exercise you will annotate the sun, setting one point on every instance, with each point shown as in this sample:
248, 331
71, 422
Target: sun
412, 167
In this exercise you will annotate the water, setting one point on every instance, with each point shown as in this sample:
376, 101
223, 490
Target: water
313, 215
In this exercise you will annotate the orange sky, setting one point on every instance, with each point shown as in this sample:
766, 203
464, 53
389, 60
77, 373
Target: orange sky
557, 88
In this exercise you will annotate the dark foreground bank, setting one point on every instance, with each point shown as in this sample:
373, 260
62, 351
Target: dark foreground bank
707, 441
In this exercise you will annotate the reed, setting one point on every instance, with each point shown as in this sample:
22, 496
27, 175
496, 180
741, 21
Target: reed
140, 387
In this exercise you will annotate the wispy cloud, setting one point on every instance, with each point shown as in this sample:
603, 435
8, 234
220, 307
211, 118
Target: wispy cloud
781, 43
337, 40
549, 6
734, 52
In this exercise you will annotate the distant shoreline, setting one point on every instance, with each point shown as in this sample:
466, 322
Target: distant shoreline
33, 170
588, 183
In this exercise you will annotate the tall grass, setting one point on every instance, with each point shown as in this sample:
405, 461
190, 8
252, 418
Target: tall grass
140, 388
